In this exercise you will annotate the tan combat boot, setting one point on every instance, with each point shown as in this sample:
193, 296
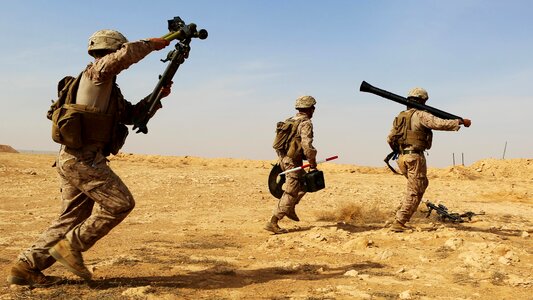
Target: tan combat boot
397, 226
292, 214
22, 274
273, 226
71, 259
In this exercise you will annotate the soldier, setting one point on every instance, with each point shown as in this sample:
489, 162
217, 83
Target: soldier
412, 134
293, 157
85, 177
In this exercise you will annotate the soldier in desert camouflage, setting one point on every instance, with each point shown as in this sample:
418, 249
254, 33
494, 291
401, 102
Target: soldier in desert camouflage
412, 133
85, 177
302, 149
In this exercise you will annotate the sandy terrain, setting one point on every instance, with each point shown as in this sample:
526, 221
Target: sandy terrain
196, 233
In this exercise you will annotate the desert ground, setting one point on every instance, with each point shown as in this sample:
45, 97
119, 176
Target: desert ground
197, 233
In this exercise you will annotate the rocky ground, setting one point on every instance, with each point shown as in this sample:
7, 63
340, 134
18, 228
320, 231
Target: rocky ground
196, 233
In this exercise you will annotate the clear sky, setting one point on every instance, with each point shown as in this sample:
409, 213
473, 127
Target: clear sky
474, 57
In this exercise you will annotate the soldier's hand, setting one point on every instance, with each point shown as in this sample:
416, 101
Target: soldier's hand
159, 43
165, 91
467, 122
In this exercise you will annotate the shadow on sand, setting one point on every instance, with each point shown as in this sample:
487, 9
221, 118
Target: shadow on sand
217, 278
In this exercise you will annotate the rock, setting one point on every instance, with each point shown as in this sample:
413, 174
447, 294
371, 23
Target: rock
514, 280
524, 234
476, 260
512, 256
351, 273
501, 249
357, 244
405, 295
138, 292
386, 255
424, 259
504, 261
454, 243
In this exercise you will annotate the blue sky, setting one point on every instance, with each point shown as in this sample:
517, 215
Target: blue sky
473, 57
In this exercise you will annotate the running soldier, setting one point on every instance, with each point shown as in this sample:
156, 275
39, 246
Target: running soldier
302, 148
86, 179
412, 134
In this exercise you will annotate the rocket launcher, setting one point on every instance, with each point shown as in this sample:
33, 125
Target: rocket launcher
183, 33
366, 87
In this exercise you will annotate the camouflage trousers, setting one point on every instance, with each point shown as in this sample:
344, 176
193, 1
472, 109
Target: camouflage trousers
413, 167
293, 189
93, 201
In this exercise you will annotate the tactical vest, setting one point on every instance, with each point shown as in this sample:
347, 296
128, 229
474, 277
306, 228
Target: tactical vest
76, 125
404, 136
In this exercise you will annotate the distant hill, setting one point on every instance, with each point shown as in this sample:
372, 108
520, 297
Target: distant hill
6, 148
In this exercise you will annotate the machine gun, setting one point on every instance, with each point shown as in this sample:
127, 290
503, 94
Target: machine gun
182, 32
444, 214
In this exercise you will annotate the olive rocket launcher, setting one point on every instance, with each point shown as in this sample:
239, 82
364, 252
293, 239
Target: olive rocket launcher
366, 87
182, 32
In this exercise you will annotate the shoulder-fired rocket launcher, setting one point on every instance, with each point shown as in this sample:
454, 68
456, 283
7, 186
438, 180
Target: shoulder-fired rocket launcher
182, 32
366, 87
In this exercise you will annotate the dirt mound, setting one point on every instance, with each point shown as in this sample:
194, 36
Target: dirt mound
6, 148
173, 161
504, 168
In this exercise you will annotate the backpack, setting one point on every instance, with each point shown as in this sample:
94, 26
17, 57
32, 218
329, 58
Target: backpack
63, 86
286, 141
399, 129
66, 123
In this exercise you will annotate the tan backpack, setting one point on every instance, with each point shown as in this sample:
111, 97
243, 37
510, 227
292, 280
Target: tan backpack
286, 140
66, 125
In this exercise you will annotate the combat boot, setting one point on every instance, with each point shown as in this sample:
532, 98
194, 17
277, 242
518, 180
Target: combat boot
71, 259
273, 226
291, 214
22, 274
397, 226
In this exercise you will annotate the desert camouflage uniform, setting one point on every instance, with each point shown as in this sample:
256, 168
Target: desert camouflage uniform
413, 165
293, 188
85, 177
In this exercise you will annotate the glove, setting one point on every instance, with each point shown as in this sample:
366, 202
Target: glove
165, 90
159, 43
467, 122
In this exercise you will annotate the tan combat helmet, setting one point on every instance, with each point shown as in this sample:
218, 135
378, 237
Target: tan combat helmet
106, 39
418, 93
305, 102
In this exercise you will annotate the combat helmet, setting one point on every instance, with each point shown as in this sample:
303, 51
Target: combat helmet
106, 39
418, 93
305, 102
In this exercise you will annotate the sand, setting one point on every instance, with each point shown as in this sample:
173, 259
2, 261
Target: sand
197, 233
